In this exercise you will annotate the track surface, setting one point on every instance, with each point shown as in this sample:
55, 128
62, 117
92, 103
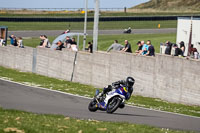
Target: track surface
20, 97
90, 32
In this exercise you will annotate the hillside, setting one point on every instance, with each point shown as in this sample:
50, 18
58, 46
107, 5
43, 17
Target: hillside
192, 5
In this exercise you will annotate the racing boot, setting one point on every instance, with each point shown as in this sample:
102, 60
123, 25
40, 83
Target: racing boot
122, 105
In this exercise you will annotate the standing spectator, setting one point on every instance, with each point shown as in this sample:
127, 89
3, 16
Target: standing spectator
68, 42
20, 42
15, 41
11, 40
115, 46
193, 52
178, 51
73, 41
144, 48
46, 43
41, 40
168, 48
182, 47
1, 41
139, 47
90, 47
127, 47
151, 50
74, 45
60, 45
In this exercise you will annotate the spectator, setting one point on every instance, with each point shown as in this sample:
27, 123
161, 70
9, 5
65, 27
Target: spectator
182, 47
193, 52
144, 48
68, 42
73, 41
115, 46
1, 41
46, 43
178, 51
151, 50
127, 47
74, 45
168, 48
90, 47
15, 41
41, 40
139, 47
20, 42
11, 39
60, 45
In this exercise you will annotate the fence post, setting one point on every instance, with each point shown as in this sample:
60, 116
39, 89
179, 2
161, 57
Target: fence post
124, 9
34, 60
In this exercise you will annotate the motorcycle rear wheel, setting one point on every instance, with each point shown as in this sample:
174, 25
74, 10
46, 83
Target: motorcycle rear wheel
93, 106
113, 104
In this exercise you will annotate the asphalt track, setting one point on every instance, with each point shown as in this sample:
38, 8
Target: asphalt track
90, 32
38, 100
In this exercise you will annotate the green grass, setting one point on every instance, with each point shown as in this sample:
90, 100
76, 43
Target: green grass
106, 40
13, 26
86, 90
23, 122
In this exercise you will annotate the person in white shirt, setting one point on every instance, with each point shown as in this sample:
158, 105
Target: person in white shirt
20, 42
1, 41
46, 43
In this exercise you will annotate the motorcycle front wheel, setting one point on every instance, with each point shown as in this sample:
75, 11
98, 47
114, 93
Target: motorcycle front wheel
93, 106
113, 104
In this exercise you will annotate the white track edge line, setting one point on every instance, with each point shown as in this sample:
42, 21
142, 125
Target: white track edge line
91, 98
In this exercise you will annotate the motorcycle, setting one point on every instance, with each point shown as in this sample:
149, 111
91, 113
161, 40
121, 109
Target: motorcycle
109, 102
127, 30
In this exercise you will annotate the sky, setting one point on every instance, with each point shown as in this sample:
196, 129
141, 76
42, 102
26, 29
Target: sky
67, 3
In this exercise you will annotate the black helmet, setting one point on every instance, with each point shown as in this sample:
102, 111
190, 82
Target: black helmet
130, 82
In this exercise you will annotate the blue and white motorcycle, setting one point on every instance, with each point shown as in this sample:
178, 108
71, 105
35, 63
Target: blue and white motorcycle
109, 102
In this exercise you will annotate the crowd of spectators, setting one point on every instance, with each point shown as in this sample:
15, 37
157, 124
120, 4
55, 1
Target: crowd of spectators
16, 41
69, 43
175, 50
143, 49
146, 49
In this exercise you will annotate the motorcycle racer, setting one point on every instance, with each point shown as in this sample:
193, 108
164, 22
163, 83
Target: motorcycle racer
128, 84
112, 97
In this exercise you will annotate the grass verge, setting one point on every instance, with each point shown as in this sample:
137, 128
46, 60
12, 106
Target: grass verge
88, 91
110, 25
23, 122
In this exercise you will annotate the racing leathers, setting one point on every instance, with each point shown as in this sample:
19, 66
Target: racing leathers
116, 85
